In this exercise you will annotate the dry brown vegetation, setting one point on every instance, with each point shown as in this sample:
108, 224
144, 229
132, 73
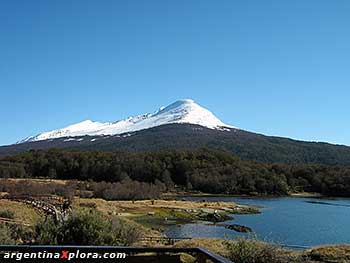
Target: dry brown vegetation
126, 190
22, 212
149, 205
335, 253
146, 205
29, 187
153, 212
253, 251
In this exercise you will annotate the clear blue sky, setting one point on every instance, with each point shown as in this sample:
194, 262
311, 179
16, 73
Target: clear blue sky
275, 67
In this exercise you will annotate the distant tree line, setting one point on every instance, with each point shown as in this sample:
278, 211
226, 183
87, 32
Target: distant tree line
205, 170
125, 190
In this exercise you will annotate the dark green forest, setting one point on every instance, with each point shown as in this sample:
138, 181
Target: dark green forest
246, 145
210, 171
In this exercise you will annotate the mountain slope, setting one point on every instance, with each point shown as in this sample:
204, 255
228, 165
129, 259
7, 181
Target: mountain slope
247, 145
182, 111
182, 125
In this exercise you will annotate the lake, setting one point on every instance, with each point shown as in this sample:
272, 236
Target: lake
287, 220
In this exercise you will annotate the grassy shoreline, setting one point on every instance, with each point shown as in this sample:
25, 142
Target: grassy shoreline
152, 215
156, 214
255, 195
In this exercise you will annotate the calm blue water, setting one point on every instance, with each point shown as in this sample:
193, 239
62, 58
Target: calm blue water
290, 221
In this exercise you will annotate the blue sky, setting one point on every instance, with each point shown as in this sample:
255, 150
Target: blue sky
274, 67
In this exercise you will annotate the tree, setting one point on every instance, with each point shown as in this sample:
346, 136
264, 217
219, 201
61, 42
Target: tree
166, 179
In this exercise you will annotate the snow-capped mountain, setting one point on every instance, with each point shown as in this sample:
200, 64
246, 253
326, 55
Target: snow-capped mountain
181, 111
183, 125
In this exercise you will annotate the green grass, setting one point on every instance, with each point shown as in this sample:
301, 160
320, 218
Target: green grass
7, 214
163, 217
159, 218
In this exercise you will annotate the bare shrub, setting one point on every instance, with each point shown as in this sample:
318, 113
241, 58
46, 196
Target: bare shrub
128, 190
33, 188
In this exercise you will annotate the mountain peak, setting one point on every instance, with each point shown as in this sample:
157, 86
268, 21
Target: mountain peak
181, 111
176, 104
184, 101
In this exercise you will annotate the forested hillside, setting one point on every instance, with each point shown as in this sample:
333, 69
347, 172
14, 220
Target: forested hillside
246, 145
211, 171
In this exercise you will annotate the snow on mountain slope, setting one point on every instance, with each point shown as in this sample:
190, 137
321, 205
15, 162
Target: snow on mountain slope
182, 111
